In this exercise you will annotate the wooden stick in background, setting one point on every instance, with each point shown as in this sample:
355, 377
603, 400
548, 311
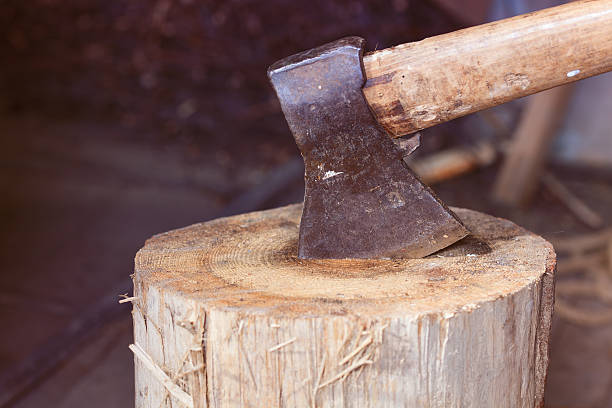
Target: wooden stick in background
451, 163
525, 157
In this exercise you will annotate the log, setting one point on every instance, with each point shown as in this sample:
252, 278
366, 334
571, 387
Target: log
417, 85
226, 315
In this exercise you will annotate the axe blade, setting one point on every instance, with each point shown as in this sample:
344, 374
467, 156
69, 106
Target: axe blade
361, 201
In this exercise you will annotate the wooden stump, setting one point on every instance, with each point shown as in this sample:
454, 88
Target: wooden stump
225, 315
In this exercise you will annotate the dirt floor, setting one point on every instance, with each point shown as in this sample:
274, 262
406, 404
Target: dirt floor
75, 213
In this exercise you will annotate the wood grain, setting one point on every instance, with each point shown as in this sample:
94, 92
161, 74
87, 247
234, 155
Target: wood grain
417, 85
228, 312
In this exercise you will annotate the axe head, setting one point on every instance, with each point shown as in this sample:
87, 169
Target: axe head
361, 201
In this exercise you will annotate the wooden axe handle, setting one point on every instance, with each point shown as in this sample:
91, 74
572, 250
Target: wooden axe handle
417, 85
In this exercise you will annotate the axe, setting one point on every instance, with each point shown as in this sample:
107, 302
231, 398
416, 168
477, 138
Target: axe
345, 109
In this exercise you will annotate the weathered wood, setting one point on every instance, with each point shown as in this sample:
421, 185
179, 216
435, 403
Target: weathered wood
228, 313
417, 85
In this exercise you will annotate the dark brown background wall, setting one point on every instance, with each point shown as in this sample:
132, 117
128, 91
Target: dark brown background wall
192, 69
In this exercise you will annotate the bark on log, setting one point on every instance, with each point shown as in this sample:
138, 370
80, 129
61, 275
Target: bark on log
226, 315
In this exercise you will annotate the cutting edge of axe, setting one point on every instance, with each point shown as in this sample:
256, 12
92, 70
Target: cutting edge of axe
359, 201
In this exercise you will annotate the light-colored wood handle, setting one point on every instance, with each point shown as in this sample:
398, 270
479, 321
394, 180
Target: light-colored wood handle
417, 85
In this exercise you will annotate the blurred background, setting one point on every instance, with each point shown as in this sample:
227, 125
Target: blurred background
119, 120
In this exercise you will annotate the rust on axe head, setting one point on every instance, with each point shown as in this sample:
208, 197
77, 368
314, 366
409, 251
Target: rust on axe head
360, 199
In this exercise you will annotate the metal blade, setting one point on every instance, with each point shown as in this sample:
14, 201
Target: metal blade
361, 201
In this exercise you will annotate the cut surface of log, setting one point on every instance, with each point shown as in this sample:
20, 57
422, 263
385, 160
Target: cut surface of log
226, 315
